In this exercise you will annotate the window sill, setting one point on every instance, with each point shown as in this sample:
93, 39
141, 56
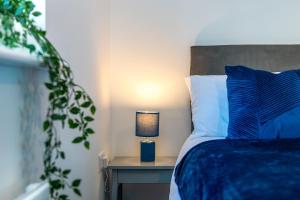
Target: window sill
19, 58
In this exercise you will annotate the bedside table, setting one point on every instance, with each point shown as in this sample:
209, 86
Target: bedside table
132, 170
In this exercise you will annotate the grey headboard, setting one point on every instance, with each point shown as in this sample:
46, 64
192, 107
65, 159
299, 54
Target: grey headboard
210, 60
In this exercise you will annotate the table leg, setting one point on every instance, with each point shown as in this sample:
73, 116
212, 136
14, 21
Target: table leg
115, 184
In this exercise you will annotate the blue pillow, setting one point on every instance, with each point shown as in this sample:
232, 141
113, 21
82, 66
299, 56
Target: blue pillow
263, 105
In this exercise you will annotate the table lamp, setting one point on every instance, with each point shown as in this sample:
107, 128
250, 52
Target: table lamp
147, 126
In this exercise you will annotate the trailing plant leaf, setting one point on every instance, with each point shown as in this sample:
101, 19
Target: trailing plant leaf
89, 131
78, 140
72, 124
78, 95
93, 110
86, 104
68, 102
76, 191
87, 145
49, 86
66, 172
62, 155
76, 183
88, 118
36, 13
63, 197
75, 110
46, 125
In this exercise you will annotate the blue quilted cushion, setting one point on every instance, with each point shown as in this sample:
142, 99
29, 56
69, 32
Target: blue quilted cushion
263, 105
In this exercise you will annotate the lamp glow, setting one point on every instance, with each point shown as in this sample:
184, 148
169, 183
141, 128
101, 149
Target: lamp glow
149, 93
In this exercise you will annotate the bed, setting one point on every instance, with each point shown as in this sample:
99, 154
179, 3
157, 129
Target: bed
210, 60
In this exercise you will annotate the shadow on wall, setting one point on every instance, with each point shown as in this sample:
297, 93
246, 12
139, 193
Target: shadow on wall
32, 113
253, 24
22, 112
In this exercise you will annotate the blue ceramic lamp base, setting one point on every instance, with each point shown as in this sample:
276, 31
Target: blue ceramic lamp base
147, 151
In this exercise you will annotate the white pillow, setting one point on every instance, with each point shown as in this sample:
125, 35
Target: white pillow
209, 104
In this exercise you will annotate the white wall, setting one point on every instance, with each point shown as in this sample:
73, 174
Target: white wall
79, 29
150, 51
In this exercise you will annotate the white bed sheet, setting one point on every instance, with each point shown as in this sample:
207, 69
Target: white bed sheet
190, 142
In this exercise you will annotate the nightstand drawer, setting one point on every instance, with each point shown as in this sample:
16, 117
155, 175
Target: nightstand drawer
130, 170
144, 176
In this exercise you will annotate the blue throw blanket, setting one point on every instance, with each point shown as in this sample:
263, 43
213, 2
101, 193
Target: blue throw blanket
240, 170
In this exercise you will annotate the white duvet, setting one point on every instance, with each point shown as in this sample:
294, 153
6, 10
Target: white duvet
191, 141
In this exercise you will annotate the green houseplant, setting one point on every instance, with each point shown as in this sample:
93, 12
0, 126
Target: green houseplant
69, 104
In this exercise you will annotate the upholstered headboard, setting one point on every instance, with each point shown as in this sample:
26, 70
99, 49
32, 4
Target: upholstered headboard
210, 60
